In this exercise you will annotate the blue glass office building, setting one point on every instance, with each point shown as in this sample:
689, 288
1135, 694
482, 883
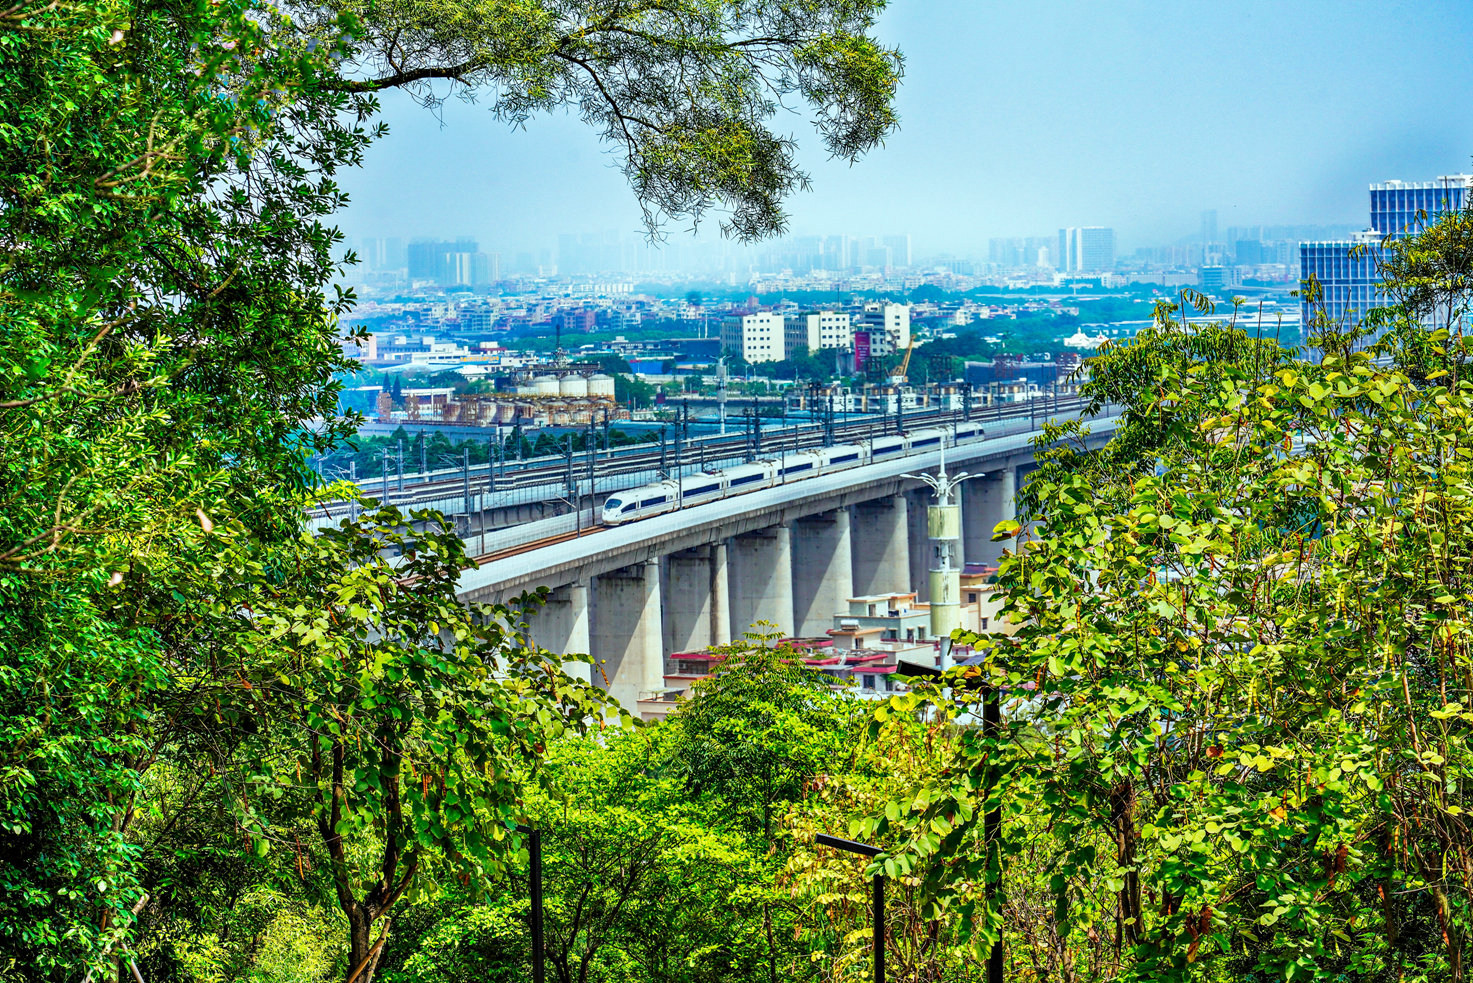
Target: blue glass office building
1348, 278
1402, 207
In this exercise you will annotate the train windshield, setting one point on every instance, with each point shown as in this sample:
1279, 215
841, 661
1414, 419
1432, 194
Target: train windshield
612, 505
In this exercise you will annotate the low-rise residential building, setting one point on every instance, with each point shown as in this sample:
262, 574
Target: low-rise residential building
760, 337
818, 330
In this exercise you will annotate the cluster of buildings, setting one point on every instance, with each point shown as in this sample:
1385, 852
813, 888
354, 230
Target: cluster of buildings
871, 330
864, 649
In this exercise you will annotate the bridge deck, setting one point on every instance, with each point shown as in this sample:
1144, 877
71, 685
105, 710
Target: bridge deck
606, 549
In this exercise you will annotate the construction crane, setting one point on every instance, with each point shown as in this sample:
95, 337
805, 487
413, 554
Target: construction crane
897, 378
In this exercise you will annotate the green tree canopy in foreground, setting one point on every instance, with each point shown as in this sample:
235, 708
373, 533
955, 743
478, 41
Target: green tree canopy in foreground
1236, 743
168, 171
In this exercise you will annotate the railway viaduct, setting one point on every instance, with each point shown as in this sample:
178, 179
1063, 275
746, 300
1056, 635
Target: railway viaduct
790, 555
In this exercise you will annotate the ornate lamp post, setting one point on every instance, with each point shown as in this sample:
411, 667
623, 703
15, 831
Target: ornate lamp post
944, 528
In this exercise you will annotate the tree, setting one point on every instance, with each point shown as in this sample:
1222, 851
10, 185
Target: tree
172, 345
399, 721
633, 391
1245, 625
169, 337
754, 732
686, 90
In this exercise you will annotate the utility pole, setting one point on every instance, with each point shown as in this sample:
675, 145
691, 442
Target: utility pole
721, 391
568, 457
490, 464
424, 459
592, 456
401, 465
386, 475
465, 478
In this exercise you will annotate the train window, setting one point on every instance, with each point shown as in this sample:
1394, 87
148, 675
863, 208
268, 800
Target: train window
699, 491
845, 457
653, 501
887, 450
745, 480
629, 507
796, 468
927, 442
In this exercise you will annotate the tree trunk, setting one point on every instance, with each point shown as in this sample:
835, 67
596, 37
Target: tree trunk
1122, 816
363, 951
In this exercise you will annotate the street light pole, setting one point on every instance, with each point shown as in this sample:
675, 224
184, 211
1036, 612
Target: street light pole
943, 523
877, 895
534, 849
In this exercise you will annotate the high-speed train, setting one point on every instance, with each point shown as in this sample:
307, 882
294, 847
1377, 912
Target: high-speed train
709, 486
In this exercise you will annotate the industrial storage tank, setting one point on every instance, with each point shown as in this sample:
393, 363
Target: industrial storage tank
573, 385
545, 385
601, 385
526, 389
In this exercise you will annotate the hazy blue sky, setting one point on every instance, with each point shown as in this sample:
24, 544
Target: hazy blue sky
1017, 118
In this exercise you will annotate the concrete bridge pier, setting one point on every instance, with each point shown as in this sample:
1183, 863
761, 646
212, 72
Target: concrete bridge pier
878, 538
986, 501
918, 544
761, 572
561, 625
627, 633
823, 576
720, 596
688, 600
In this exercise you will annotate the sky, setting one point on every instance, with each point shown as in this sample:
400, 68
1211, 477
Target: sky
1017, 119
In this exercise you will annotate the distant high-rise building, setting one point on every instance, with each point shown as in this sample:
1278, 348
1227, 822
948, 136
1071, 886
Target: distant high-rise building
1209, 226
899, 249
383, 254
1346, 269
816, 331
1248, 252
1016, 251
1097, 249
1067, 257
888, 326
451, 264
1214, 278
1086, 249
1403, 207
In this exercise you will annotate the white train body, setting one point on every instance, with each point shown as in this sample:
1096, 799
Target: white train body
710, 486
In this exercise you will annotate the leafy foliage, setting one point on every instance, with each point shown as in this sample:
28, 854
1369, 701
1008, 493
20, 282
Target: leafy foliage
759, 729
167, 336
1246, 628
685, 90
197, 703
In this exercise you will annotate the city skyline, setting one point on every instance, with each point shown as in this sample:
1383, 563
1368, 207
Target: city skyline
1085, 117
